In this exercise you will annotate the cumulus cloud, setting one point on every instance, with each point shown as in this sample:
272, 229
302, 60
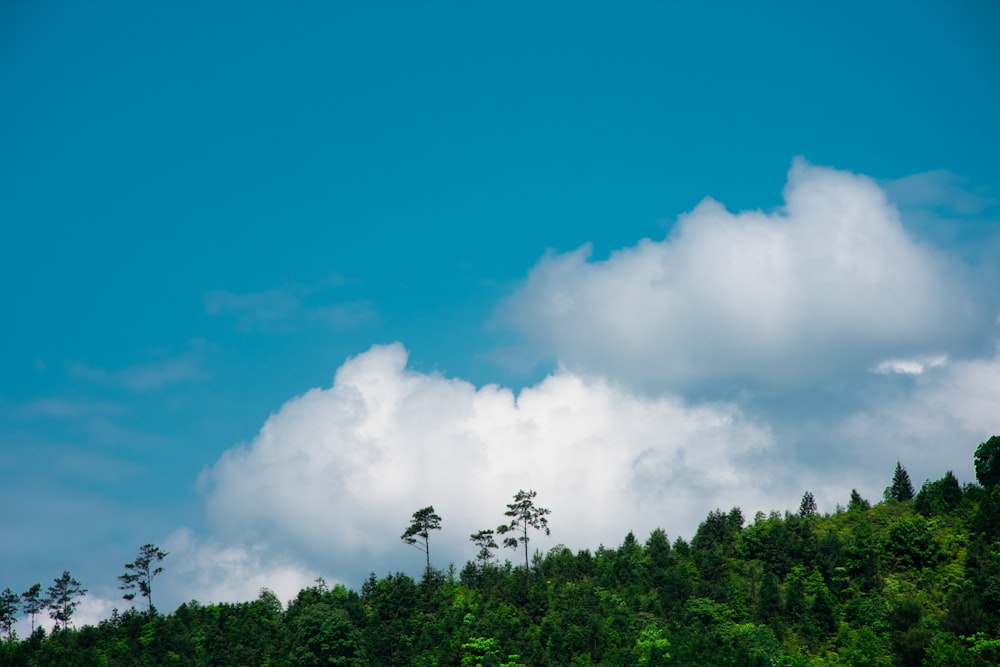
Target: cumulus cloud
336, 473
841, 343
93, 609
211, 571
936, 423
830, 283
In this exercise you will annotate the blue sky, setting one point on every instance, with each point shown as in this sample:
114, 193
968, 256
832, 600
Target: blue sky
206, 211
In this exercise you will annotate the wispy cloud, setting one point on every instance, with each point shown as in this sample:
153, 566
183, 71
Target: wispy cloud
939, 189
914, 366
287, 309
62, 408
267, 310
146, 376
951, 213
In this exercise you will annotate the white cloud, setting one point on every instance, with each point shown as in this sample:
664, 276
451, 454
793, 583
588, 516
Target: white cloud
843, 343
937, 424
829, 284
91, 611
210, 571
914, 366
336, 473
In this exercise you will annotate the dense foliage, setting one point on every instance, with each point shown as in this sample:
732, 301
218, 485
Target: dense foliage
911, 581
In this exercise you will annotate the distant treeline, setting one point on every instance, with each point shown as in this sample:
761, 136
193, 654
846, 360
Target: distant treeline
912, 580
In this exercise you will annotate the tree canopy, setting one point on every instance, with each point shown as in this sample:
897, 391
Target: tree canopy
987, 460
894, 583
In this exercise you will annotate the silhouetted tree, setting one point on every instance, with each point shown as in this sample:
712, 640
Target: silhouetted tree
141, 572
988, 462
8, 610
484, 540
808, 505
32, 603
62, 600
523, 515
423, 521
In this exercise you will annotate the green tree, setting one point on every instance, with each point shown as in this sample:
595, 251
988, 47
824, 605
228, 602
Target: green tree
795, 594
480, 652
140, 573
901, 488
8, 610
808, 505
988, 462
484, 540
651, 647
769, 604
32, 603
523, 515
62, 600
862, 555
939, 497
822, 612
911, 541
423, 521
857, 503
324, 635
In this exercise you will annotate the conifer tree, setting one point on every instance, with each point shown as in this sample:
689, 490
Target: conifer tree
32, 603
901, 488
62, 600
769, 603
857, 503
423, 521
988, 462
808, 505
140, 574
8, 610
484, 540
523, 515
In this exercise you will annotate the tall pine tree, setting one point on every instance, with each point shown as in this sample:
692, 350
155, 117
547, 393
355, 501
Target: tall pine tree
901, 488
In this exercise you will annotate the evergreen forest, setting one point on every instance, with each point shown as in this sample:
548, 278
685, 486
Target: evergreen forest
913, 579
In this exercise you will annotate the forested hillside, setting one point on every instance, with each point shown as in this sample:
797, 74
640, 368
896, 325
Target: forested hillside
913, 579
